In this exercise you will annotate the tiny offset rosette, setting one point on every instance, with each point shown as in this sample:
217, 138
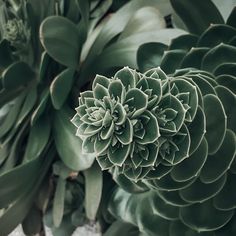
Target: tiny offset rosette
137, 123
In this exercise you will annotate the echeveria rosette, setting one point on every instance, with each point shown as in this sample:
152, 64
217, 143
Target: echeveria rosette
195, 196
137, 123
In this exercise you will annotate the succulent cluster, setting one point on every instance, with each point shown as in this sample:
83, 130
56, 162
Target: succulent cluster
179, 131
194, 196
137, 123
50, 50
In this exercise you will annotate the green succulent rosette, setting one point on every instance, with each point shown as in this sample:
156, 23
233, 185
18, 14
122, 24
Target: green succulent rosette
137, 123
181, 181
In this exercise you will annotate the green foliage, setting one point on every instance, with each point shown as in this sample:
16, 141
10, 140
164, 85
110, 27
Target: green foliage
49, 52
194, 196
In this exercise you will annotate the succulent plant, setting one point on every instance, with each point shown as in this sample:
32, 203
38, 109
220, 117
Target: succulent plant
179, 171
50, 50
137, 123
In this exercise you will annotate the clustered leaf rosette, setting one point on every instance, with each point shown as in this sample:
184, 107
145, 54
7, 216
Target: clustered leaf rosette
136, 123
187, 170
193, 195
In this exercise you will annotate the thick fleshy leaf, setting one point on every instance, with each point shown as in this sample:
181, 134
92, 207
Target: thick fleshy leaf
44, 63
28, 105
194, 57
38, 139
58, 202
204, 86
163, 209
61, 40
222, 53
102, 80
32, 223
191, 14
126, 136
217, 164
171, 60
225, 69
127, 77
137, 102
167, 183
60, 87
215, 35
191, 166
149, 55
184, 42
228, 81
215, 122
93, 190
229, 102
19, 177
135, 209
172, 102
11, 117
226, 198
197, 129
200, 192
186, 87
41, 107
151, 128
119, 155
116, 90
17, 211
16, 75
197, 216
68, 145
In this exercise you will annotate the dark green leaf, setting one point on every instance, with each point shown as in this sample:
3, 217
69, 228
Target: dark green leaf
149, 55
60, 87
58, 202
5, 54
215, 165
32, 223
200, 192
232, 18
222, 53
61, 40
16, 75
172, 60
199, 216
68, 145
193, 14
38, 138
184, 42
215, 122
93, 190
215, 35
191, 166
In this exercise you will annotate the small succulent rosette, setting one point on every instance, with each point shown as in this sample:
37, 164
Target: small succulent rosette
141, 125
